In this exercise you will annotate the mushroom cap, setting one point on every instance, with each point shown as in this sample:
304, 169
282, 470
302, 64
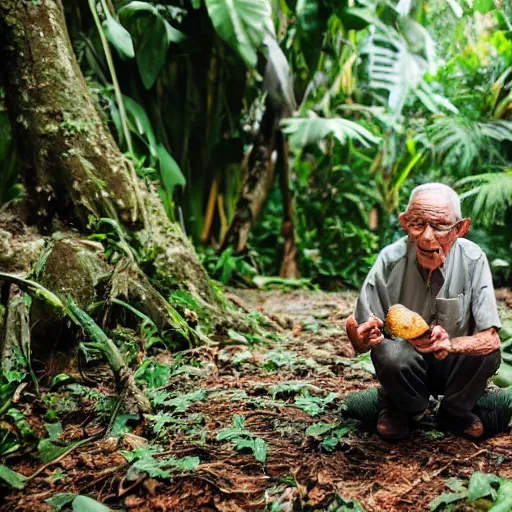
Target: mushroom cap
404, 323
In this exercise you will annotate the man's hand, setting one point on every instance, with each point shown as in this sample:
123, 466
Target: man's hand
438, 342
365, 336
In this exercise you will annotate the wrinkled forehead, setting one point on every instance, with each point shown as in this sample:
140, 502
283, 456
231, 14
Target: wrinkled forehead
430, 205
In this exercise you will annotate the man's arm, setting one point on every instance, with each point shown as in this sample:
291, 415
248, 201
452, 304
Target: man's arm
480, 344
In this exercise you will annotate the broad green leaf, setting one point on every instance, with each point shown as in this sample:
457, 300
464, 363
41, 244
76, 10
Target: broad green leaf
120, 426
153, 374
196, 4
54, 430
305, 131
152, 467
140, 124
185, 463
260, 449
47, 451
119, 37
455, 484
152, 50
484, 6
170, 171
236, 336
86, 504
59, 501
135, 8
480, 485
278, 81
329, 443
257, 446
317, 430
153, 35
309, 405
504, 377
11, 477
183, 402
504, 498
242, 24
174, 35
281, 357
445, 499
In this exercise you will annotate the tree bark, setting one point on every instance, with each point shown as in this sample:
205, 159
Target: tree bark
73, 170
75, 175
289, 268
258, 181
72, 167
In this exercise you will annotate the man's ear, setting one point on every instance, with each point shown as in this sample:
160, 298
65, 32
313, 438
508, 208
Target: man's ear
463, 227
401, 218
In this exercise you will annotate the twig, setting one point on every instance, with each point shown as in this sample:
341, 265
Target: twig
104, 473
440, 470
60, 457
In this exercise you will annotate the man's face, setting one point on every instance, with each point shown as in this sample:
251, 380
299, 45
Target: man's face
431, 224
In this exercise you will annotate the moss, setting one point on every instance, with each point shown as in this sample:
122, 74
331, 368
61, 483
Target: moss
72, 269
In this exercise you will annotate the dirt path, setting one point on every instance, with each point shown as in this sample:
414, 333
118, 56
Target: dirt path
282, 385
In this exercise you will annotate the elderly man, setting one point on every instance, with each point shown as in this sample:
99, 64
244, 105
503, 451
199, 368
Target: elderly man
447, 280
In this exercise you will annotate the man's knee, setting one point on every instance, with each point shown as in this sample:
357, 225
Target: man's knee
394, 356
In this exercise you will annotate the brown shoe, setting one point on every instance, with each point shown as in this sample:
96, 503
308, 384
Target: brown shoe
393, 425
475, 428
470, 426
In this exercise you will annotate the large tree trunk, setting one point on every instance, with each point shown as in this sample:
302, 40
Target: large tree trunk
258, 181
72, 167
75, 175
73, 170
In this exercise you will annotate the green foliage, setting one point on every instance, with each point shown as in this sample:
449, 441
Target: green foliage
492, 493
330, 434
165, 467
153, 374
314, 405
14, 479
147, 460
243, 439
78, 503
304, 132
242, 24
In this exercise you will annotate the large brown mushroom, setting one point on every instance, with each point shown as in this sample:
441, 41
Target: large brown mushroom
404, 323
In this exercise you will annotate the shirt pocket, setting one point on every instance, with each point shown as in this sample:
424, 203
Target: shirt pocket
451, 315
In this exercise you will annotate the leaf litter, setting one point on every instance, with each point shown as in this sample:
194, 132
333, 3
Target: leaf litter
255, 425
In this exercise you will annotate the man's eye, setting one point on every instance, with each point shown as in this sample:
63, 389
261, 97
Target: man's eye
441, 227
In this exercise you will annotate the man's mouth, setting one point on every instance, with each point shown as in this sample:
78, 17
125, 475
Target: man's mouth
429, 251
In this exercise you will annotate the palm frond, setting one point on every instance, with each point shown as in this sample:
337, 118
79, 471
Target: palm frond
464, 142
490, 194
306, 131
397, 63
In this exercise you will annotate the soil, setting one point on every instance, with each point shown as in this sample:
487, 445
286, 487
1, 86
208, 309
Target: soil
307, 349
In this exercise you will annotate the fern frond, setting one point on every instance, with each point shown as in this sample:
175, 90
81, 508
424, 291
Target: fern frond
491, 194
305, 131
464, 142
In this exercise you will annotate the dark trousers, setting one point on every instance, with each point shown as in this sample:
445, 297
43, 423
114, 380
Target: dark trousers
408, 377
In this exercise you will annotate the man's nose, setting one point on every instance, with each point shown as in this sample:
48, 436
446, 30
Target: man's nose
428, 233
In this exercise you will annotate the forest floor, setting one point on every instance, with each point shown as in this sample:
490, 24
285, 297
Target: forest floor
243, 427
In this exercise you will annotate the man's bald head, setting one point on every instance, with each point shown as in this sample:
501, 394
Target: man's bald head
433, 222
438, 190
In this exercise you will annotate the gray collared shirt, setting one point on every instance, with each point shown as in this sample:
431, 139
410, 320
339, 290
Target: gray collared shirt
460, 295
